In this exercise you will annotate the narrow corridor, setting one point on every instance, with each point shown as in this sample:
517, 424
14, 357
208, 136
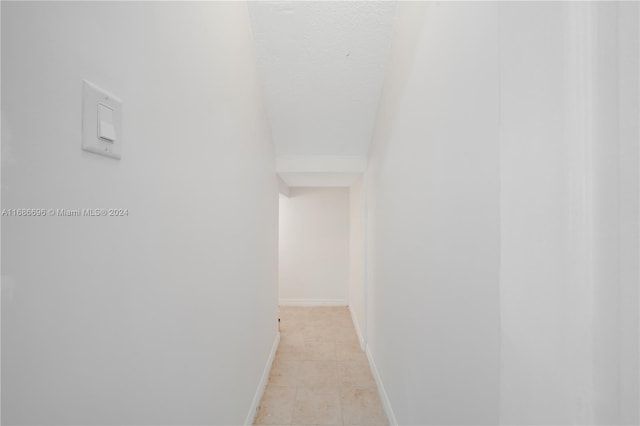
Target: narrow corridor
320, 376
464, 175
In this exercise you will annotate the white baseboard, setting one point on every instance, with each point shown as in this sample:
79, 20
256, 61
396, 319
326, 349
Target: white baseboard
253, 410
312, 302
354, 320
386, 404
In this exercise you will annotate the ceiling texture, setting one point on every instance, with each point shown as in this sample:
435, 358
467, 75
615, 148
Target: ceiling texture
322, 66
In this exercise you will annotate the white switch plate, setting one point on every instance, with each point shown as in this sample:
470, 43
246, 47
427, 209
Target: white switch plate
92, 96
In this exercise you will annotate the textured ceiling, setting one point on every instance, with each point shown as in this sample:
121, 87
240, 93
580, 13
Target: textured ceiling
322, 66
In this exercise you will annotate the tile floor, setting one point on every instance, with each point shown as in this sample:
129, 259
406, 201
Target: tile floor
319, 376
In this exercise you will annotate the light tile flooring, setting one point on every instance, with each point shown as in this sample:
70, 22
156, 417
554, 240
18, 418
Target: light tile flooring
319, 376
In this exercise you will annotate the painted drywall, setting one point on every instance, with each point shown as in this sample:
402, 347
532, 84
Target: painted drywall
320, 179
432, 202
357, 291
314, 246
615, 153
568, 213
628, 62
544, 314
283, 188
166, 315
321, 171
502, 215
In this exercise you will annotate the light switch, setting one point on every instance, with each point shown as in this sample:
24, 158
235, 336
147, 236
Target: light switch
106, 130
101, 122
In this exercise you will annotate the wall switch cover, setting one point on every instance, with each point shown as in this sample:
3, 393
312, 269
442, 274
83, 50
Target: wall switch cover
106, 129
101, 122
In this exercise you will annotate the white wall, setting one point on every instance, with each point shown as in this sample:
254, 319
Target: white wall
314, 246
502, 215
168, 315
628, 62
546, 360
569, 214
357, 291
433, 199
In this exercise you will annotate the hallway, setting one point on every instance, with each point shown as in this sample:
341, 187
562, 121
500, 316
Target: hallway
320, 376
464, 176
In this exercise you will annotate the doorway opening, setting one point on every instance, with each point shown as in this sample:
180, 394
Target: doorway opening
322, 251
321, 374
